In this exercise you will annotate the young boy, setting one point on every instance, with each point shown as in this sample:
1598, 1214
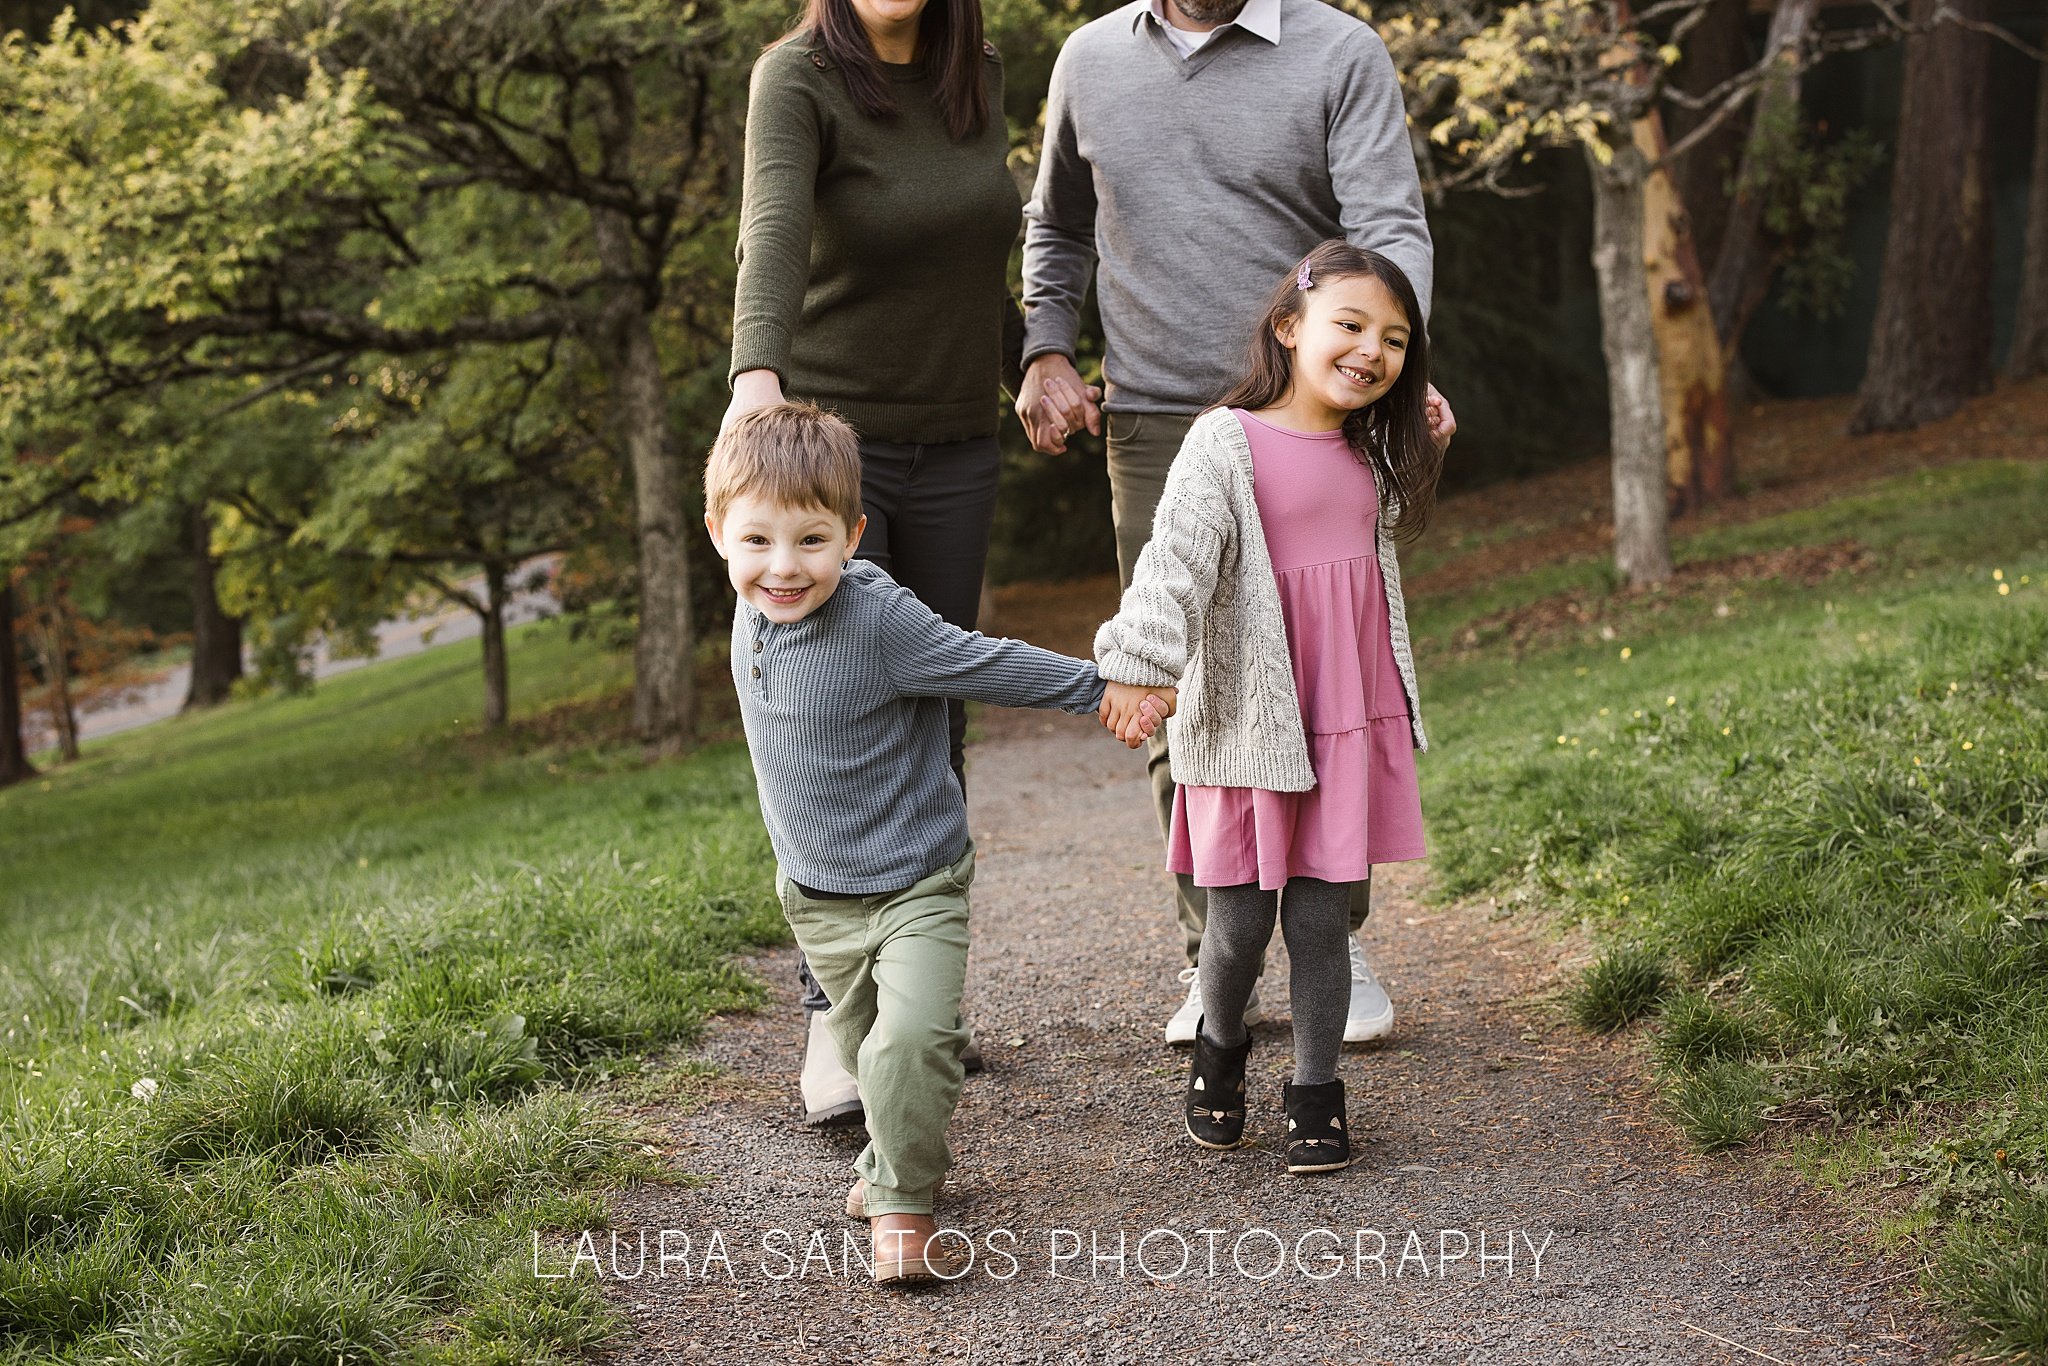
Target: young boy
843, 677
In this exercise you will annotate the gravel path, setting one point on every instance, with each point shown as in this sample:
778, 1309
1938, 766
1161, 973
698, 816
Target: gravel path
1482, 1114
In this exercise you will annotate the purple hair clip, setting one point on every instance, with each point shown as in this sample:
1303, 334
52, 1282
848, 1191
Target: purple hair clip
1302, 279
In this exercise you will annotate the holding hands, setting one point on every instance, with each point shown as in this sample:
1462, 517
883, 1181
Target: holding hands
1443, 423
1134, 714
1054, 403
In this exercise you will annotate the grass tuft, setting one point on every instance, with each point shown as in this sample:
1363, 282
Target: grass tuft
294, 1101
1995, 1275
1622, 986
64, 1289
1721, 1105
485, 1155
1695, 1031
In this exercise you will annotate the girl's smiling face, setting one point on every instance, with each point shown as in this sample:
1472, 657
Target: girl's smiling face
1349, 342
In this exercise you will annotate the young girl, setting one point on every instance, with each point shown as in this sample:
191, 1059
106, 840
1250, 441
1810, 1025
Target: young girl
1270, 587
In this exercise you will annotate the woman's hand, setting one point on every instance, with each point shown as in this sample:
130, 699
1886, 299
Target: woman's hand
751, 389
1055, 404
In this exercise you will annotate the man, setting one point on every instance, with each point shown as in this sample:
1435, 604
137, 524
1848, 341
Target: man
1194, 151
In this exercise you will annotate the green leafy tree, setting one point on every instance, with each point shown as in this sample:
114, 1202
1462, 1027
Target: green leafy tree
1492, 85
444, 476
259, 194
63, 588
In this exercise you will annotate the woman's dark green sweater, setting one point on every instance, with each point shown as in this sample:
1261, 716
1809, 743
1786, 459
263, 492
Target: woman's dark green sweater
873, 252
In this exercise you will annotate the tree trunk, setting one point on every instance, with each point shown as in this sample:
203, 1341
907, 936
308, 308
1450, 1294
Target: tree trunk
1716, 49
1642, 533
497, 688
216, 636
664, 689
2030, 325
1691, 373
664, 646
53, 648
1931, 345
1742, 267
14, 764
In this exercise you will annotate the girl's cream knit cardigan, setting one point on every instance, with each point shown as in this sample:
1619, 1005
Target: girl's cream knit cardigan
1203, 613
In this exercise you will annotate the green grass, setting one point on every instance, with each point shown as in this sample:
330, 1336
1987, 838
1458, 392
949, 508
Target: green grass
1824, 811
304, 1003
1626, 984
305, 1000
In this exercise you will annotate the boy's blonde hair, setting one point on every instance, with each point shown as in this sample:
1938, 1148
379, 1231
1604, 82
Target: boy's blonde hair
794, 455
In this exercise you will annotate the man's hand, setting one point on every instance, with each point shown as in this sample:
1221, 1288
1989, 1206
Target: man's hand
1054, 404
1134, 714
751, 389
1443, 423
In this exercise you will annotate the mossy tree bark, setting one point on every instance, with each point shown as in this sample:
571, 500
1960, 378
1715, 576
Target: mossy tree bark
14, 764
497, 679
2029, 355
216, 636
1930, 348
1742, 265
53, 652
1692, 373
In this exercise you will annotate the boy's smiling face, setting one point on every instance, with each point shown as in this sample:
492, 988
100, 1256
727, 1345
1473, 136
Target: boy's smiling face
785, 561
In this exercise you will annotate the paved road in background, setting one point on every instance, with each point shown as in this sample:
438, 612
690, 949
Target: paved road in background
442, 625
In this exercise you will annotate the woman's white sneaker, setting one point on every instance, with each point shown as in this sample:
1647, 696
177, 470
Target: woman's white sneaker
1371, 1015
831, 1096
1181, 1028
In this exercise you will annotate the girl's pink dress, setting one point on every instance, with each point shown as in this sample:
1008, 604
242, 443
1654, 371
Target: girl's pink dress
1319, 508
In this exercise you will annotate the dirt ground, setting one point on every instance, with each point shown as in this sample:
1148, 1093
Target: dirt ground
1484, 1114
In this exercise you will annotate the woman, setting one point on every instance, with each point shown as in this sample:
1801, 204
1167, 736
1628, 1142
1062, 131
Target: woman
876, 222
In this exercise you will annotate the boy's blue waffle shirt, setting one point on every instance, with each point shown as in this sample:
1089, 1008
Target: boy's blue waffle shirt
845, 713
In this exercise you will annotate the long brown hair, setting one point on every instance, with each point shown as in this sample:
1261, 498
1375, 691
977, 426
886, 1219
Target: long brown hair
948, 39
1390, 435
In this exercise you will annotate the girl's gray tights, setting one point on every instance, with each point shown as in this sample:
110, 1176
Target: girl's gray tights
1315, 918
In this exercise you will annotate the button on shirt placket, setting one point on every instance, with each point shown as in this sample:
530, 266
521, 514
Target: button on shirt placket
761, 626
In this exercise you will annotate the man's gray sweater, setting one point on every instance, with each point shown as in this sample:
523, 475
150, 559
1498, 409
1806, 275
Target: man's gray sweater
1199, 185
845, 713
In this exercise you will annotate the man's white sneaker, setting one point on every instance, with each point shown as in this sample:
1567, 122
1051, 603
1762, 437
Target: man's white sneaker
1181, 1028
831, 1095
1371, 1015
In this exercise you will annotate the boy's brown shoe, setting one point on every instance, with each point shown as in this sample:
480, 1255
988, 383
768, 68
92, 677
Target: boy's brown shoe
857, 1196
901, 1257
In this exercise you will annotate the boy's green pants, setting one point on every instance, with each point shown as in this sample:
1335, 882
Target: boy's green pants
894, 966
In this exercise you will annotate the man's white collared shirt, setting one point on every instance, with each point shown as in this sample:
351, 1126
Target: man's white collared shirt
1260, 17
